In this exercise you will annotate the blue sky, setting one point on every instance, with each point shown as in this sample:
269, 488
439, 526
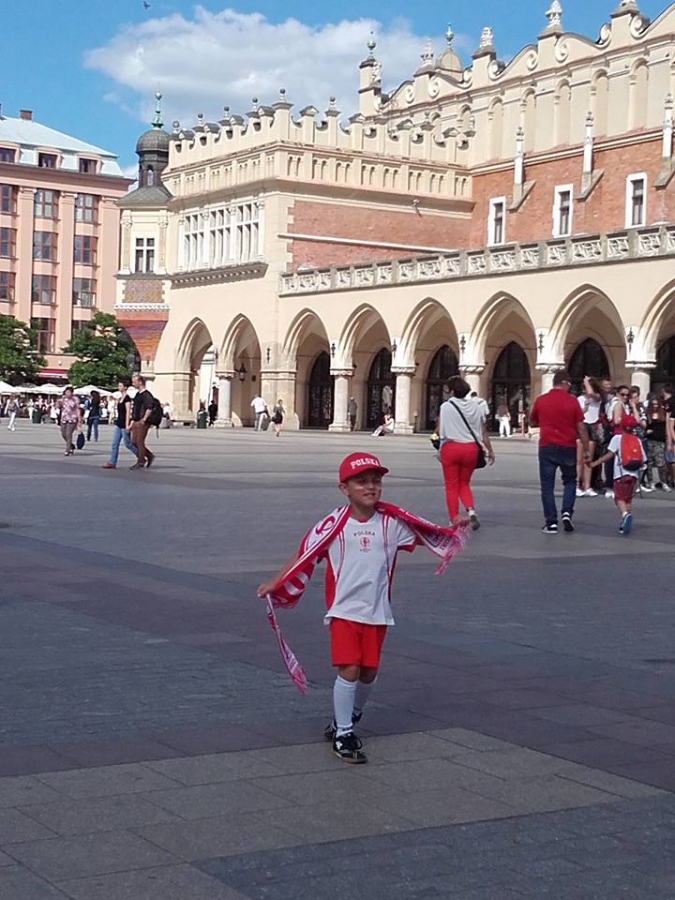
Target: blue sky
90, 68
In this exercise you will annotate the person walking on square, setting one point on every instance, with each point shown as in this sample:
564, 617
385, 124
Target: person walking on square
504, 418
94, 417
561, 422
462, 430
71, 419
352, 412
625, 479
360, 543
260, 410
278, 414
11, 409
213, 412
121, 425
140, 413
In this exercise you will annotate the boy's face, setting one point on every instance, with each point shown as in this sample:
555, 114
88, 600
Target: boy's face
363, 491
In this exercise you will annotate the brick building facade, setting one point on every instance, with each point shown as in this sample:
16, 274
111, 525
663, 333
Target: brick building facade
496, 220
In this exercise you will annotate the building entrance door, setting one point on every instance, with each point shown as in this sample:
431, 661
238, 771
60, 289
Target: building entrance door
442, 368
321, 389
588, 359
511, 384
381, 395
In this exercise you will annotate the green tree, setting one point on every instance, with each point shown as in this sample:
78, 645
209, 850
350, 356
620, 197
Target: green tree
20, 359
104, 352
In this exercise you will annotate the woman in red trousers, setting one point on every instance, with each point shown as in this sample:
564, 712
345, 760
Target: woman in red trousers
461, 427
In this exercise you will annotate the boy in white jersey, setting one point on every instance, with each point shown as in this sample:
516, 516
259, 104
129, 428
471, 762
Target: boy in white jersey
360, 568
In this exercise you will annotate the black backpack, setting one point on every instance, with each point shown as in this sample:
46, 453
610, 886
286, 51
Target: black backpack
155, 417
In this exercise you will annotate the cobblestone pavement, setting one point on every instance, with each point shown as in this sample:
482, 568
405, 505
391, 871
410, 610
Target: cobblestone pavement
521, 740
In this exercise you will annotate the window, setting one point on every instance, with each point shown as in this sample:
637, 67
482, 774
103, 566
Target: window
562, 211
225, 236
85, 249
44, 290
7, 154
47, 160
8, 195
44, 245
7, 281
88, 166
86, 208
84, 292
46, 204
45, 330
497, 221
636, 200
8, 242
145, 256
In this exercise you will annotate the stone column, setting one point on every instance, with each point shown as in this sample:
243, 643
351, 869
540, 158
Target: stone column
224, 419
640, 376
340, 421
180, 408
402, 414
547, 373
471, 374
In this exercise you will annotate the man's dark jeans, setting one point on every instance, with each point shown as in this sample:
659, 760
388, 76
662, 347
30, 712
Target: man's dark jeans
551, 458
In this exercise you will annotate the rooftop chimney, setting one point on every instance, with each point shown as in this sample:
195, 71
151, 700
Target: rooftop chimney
26, 115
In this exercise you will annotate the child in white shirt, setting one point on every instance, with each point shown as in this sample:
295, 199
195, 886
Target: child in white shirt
625, 480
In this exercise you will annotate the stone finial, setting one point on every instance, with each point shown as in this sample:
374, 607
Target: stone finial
554, 15
282, 95
157, 121
449, 35
428, 55
176, 126
372, 44
487, 38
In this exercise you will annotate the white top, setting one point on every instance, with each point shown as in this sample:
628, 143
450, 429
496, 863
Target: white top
590, 409
615, 448
360, 568
452, 428
258, 404
482, 406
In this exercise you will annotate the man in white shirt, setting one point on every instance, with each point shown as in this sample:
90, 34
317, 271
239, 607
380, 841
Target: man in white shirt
481, 404
260, 409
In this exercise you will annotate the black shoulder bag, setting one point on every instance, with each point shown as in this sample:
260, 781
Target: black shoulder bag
481, 461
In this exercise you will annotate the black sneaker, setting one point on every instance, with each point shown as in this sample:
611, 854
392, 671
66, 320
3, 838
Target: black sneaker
150, 458
550, 529
330, 731
347, 747
568, 525
474, 520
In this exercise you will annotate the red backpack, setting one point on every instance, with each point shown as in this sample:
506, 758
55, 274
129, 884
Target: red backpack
630, 454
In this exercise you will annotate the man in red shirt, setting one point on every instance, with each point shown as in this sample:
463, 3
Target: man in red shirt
559, 417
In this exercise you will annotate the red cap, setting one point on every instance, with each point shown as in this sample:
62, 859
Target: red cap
356, 463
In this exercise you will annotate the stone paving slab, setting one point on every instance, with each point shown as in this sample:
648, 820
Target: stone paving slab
180, 882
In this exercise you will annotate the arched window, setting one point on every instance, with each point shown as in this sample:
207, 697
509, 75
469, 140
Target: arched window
511, 382
320, 388
496, 118
664, 373
588, 359
381, 388
529, 112
600, 95
441, 369
563, 109
639, 88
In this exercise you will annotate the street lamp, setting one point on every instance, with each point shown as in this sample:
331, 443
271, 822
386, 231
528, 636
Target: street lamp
242, 371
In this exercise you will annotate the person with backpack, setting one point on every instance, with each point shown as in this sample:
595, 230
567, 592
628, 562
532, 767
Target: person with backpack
146, 412
629, 457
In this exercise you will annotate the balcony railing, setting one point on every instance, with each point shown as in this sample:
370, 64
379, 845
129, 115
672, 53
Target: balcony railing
558, 253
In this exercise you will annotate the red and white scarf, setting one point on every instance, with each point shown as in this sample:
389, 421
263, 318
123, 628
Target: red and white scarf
445, 543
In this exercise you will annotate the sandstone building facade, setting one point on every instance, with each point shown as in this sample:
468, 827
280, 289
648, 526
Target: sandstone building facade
497, 220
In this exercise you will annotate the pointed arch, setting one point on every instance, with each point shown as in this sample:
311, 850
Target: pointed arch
656, 315
426, 314
239, 334
497, 309
298, 328
359, 322
579, 304
195, 339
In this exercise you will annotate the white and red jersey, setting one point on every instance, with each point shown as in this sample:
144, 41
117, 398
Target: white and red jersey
360, 568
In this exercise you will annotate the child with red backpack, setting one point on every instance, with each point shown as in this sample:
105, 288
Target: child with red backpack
626, 449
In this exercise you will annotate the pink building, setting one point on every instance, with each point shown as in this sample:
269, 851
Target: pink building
59, 232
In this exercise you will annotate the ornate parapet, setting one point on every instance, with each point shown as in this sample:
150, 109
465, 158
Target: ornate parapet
559, 253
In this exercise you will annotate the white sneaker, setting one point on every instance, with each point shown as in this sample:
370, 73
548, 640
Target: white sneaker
667, 488
590, 493
647, 488
609, 495
580, 493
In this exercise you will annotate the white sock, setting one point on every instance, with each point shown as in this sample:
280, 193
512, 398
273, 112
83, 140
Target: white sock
362, 694
344, 693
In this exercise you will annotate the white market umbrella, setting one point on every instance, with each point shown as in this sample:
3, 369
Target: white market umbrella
88, 388
47, 389
7, 388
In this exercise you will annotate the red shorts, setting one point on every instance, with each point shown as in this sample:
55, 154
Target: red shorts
624, 488
355, 643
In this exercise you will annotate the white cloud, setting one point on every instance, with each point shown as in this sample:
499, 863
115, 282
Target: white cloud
227, 58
